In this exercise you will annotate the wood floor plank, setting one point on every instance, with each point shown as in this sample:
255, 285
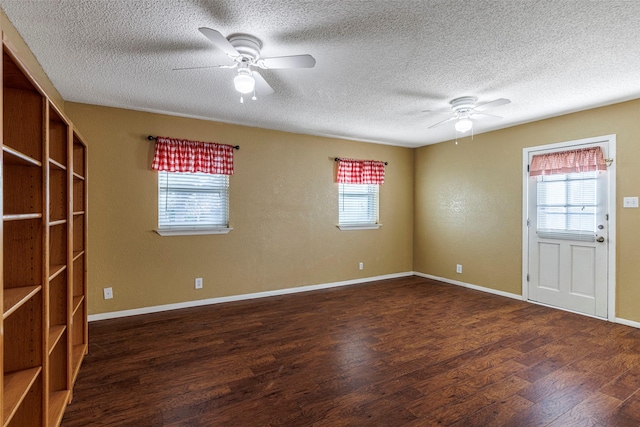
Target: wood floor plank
501, 413
400, 352
464, 405
624, 385
627, 414
561, 379
594, 411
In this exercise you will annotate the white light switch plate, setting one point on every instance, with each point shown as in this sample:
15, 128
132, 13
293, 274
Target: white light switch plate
630, 202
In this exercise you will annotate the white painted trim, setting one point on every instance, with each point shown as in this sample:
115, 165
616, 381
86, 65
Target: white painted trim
626, 322
470, 286
351, 227
612, 237
585, 141
525, 227
209, 301
611, 268
194, 231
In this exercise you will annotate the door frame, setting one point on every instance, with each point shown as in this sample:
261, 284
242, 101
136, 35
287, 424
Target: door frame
611, 208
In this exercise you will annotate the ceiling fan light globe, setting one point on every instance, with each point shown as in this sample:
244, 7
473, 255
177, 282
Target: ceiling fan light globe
244, 83
464, 125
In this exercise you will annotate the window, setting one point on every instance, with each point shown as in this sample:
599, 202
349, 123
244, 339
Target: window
358, 193
566, 205
358, 206
192, 203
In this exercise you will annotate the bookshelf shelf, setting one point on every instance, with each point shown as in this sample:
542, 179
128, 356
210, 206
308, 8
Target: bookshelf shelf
15, 297
16, 386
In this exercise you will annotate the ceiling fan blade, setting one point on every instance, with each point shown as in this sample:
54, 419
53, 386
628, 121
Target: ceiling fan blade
206, 66
476, 113
492, 104
262, 87
219, 40
441, 111
295, 61
442, 122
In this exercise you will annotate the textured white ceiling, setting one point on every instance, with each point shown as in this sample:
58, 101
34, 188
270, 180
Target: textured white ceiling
379, 62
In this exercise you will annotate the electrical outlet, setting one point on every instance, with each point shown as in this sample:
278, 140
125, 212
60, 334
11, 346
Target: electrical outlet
108, 293
459, 268
198, 282
361, 266
630, 202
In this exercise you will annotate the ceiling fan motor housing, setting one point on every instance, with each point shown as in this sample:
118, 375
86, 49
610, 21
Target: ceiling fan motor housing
247, 45
463, 106
463, 103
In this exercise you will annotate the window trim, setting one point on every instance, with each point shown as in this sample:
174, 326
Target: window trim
192, 231
349, 227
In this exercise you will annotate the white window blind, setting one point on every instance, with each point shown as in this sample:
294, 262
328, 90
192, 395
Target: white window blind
192, 200
566, 206
358, 204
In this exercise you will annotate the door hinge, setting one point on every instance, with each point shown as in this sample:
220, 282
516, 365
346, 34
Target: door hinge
527, 277
606, 217
528, 222
527, 168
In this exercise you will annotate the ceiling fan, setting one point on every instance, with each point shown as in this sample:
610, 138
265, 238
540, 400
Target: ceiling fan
244, 50
464, 109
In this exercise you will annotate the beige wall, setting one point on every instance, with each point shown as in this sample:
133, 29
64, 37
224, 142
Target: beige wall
283, 210
468, 201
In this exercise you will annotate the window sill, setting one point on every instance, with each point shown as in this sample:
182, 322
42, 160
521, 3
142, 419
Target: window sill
192, 231
348, 227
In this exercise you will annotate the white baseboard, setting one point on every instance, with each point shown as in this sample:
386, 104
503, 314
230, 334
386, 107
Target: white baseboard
470, 286
197, 303
627, 322
619, 320
209, 301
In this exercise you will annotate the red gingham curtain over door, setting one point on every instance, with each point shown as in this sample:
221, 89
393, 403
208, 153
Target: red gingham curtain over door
582, 160
181, 155
360, 171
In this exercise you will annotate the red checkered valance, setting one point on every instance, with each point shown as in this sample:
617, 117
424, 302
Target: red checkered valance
360, 171
582, 160
181, 155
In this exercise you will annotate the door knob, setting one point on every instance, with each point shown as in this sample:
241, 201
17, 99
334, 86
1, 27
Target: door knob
600, 239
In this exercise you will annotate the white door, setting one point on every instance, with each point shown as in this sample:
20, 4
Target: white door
568, 238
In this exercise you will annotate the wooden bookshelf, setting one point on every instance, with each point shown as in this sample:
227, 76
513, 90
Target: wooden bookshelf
79, 333
15, 297
57, 403
16, 388
23, 193
56, 270
44, 332
78, 354
77, 303
15, 158
55, 334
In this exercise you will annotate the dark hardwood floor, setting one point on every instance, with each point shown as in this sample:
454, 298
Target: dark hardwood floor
402, 352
